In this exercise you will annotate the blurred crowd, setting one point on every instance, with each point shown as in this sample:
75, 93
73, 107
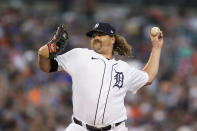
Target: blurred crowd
31, 100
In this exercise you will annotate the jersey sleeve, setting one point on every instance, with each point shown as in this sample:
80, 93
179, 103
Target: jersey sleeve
68, 61
137, 79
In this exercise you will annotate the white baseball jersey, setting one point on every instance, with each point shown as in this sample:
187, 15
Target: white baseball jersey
99, 85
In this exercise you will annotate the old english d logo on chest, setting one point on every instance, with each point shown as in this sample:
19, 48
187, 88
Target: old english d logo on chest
119, 78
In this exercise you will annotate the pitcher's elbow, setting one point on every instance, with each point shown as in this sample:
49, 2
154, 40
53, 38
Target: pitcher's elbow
150, 79
44, 69
43, 66
148, 83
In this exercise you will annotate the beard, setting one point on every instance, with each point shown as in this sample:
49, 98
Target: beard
96, 45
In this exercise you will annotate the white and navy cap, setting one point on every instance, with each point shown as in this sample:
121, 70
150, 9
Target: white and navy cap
105, 28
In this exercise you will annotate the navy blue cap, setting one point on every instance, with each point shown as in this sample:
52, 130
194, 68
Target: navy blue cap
105, 28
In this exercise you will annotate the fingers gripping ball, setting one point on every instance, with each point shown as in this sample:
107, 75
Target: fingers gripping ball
57, 45
155, 31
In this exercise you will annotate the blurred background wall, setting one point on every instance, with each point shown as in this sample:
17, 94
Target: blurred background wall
31, 100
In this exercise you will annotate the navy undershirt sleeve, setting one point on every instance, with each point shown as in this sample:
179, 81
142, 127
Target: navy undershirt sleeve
54, 65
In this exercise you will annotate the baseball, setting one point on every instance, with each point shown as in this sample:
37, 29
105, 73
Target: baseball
155, 31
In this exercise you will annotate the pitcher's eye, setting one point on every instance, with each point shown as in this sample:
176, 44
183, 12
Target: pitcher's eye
98, 34
101, 34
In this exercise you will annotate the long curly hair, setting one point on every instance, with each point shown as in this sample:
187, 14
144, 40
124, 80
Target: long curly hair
121, 46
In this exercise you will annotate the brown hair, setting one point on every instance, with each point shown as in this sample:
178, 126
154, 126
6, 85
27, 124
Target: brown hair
121, 46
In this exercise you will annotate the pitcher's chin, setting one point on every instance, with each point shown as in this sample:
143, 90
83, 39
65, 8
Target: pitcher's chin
97, 46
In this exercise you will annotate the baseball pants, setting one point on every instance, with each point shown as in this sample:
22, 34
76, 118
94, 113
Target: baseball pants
76, 127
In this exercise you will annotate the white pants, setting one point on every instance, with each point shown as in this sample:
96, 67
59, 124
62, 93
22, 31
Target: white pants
76, 127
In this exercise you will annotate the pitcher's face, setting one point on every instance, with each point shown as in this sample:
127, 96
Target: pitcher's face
101, 42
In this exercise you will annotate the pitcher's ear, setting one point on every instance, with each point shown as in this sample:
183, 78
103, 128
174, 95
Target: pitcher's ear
113, 39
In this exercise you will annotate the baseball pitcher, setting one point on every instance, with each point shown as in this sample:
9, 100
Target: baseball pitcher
100, 82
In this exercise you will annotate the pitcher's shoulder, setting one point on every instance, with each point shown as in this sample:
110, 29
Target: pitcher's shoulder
82, 49
81, 52
123, 63
77, 50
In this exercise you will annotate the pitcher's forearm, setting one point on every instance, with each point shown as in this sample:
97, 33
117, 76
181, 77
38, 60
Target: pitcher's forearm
43, 59
152, 65
44, 51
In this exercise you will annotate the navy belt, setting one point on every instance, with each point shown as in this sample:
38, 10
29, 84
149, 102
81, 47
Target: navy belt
93, 128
